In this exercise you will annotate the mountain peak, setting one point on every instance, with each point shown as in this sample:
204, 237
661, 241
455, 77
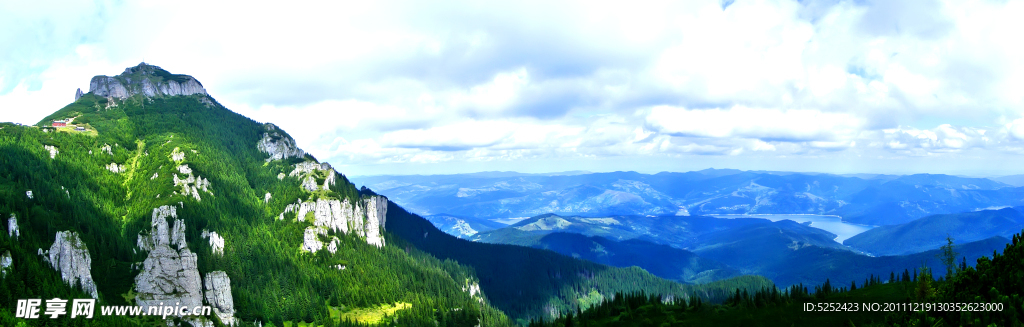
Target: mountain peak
147, 80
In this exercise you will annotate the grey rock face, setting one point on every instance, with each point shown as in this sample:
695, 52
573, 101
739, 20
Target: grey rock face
309, 184
367, 218
78, 94
218, 295
376, 217
278, 145
147, 80
191, 184
216, 242
6, 263
29, 194
168, 276
70, 257
311, 240
12, 227
115, 168
53, 151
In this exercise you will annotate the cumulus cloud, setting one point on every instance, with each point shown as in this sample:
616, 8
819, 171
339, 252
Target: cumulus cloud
398, 82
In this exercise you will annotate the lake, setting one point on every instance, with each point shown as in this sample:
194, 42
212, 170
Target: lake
833, 224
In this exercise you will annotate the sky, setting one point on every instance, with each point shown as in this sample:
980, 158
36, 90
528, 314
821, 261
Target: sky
431, 87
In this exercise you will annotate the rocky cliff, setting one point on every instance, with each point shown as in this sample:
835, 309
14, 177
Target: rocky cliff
366, 218
69, 256
169, 275
278, 144
6, 263
12, 227
147, 80
218, 295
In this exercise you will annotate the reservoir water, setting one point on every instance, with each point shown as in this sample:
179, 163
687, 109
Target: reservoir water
833, 224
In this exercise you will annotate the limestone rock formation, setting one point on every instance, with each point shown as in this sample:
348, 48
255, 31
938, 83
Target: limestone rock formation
218, 295
177, 155
216, 242
78, 94
311, 240
309, 184
333, 246
6, 263
168, 275
191, 184
12, 227
278, 145
52, 149
147, 80
29, 194
266, 198
376, 217
366, 218
115, 168
106, 148
69, 256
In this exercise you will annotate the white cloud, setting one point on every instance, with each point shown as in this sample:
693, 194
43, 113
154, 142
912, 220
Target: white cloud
456, 81
743, 122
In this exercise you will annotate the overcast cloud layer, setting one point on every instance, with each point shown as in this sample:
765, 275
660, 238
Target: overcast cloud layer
446, 87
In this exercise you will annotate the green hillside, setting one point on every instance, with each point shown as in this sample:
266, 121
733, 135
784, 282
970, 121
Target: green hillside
186, 154
272, 280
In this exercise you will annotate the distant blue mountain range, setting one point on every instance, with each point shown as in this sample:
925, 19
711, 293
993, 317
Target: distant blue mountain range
660, 222
862, 198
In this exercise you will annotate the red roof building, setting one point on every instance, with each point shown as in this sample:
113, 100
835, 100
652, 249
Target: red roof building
59, 123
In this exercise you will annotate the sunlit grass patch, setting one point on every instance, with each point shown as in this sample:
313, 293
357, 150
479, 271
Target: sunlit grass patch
370, 315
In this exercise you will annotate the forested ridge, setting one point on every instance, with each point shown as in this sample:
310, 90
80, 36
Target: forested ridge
989, 293
274, 282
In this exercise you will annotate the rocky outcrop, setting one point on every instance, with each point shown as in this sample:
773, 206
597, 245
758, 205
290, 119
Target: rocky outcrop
366, 218
191, 184
330, 180
266, 198
177, 155
376, 217
146, 80
52, 149
106, 148
218, 295
311, 239
6, 263
115, 168
278, 145
78, 94
12, 227
474, 291
168, 275
308, 172
69, 256
29, 194
216, 242
333, 246
309, 184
